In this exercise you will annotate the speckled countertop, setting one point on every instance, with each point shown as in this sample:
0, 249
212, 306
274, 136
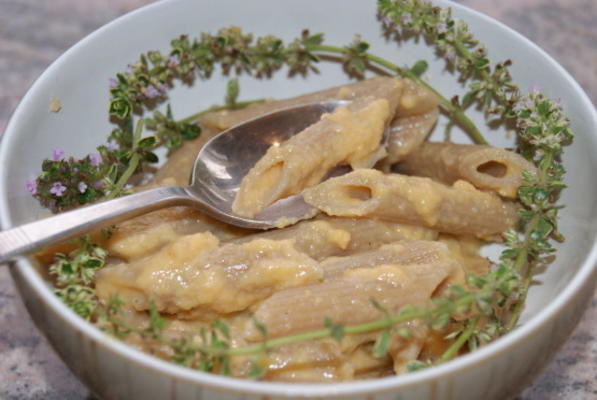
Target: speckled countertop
33, 33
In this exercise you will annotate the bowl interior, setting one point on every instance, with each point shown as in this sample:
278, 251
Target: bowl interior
79, 79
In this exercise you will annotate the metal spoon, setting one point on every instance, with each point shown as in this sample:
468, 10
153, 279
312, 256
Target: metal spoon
219, 168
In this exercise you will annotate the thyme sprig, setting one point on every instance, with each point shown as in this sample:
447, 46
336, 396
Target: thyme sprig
490, 86
75, 272
477, 313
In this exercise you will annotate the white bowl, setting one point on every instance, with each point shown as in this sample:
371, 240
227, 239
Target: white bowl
79, 79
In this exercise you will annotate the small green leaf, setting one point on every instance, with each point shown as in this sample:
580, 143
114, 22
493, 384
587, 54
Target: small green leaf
481, 63
416, 366
232, 92
222, 327
336, 330
441, 321
150, 123
261, 327
206, 365
225, 366
156, 322
362, 47
380, 349
404, 333
419, 68
120, 108
190, 131
256, 371
147, 142
378, 306
122, 79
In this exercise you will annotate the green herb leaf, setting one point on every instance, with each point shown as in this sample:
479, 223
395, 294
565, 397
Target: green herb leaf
419, 68
380, 349
336, 330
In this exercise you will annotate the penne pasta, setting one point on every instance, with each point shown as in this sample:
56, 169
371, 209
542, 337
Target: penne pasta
318, 361
403, 253
195, 277
368, 234
317, 239
226, 119
415, 100
347, 300
457, 209
330, 236
143, 235
416, 114
485, 167
349, 135
408, 133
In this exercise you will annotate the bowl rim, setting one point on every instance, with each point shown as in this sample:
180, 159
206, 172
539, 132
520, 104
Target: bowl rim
25, 269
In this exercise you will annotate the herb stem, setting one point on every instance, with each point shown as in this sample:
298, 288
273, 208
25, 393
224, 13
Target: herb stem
522, 258
458, 115
133, 163
237, 105
327, 332
453, 350
388, 321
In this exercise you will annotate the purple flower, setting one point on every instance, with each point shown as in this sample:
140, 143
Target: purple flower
151, 92
535, 88
406, 19
95, 159
442, 28
57, 189
112, 145
450, 55
113, 83
387, 20
31, 185
173, 61
98, 184
129, 70
57, 154
82, 186
163, 88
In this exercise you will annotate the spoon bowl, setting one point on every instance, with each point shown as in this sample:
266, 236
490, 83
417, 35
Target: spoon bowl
218, 171
227, 158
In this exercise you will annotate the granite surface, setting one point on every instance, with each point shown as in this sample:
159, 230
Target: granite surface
33, 33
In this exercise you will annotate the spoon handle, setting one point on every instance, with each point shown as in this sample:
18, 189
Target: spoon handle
32, 236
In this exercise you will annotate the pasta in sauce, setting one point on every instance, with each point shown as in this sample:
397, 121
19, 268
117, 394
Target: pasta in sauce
398, 239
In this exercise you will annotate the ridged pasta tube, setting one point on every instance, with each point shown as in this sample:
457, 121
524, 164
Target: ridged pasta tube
222, 120
458, 209
408, 133
331, 236
486, 167
195, 277
347, 300
405, 253
416, 114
